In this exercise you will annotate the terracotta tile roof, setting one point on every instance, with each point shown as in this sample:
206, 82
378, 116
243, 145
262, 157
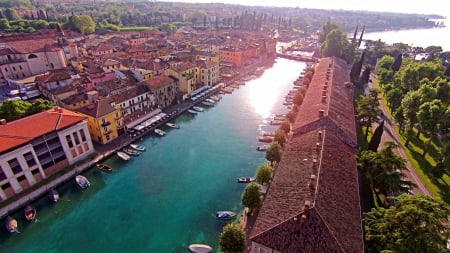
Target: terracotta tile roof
129, 93
22, 131
27, 46
320, 146
180, 67
338, 111
158, 81
206, 64
53, 76
99, 108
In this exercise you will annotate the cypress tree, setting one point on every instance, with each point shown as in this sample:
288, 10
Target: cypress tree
376, 137
365, 76
356, 69
397, 63
354, 35
360, 37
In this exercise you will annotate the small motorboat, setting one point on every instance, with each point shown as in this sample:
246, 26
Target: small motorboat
137, 147
245, 179
262, 148
30, 213
207, 103
159, 132
103, 167
82, 182
192, 111
198, 108
199, 248
130, 151
11, 224
210, 100
53, 195
172, 125
225, 215
123, 156
265, 139
276, 122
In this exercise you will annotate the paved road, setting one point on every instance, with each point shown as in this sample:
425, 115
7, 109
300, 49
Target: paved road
389, 134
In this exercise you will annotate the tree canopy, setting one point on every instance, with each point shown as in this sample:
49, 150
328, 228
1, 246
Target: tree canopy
416, 223
264, 174
251, 197
232, 238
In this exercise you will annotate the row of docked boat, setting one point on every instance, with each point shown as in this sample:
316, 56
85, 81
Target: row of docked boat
30, 212
126, 153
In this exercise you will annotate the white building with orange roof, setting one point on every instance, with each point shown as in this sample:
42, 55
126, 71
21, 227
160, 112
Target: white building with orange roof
38, 146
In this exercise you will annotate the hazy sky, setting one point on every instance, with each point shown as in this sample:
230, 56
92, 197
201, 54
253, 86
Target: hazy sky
441, 7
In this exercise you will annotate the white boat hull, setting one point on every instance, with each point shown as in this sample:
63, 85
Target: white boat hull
199, 248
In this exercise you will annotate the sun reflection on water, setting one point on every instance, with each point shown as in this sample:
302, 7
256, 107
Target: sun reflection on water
263, 95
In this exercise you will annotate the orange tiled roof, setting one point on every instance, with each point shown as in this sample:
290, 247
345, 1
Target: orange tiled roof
159, 81
22, 131
32, 46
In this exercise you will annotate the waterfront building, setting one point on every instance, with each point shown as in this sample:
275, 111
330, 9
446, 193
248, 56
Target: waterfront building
134, 100
105, 122
38, 146
164, 90
184, 73
313, 202
231, 55
207, 72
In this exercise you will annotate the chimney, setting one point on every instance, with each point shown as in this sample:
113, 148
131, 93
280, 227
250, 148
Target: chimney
56, 109
3, 122
307, 205
324, 99
320, 135
321, 112
318, 146
312, 181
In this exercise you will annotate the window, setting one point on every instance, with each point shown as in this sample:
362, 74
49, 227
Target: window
30, 159
69, 141
2, 175
21, 178
20, 67
14, 68
83, 136
15, 166
6, 186
35, 171
75, 137
32, 56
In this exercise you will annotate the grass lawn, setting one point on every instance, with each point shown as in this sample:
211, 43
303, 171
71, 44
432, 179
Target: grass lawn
136, 28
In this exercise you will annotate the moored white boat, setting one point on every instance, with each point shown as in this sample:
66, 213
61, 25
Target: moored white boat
207, 103
82, 182
198, 108
245, 179
199, 248
225, 215
262, 147
192, 111
11, 224
137, 147
159, 132
172, 125
123, 156
130, 151
210, 100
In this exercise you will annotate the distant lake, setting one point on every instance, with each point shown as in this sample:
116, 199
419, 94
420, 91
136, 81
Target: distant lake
415, 37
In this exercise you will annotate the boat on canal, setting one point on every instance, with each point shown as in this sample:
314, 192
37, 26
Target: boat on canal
225, 215
53, 195
11, 224
207, 103
30, 213
192, 111
103, 167
159, 132
130, 151
198, 108
137, 147
262, 147
172, 125
199, 248
123, 156
82, 182
265, 139
245, 179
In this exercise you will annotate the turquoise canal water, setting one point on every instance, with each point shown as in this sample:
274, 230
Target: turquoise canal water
165, 199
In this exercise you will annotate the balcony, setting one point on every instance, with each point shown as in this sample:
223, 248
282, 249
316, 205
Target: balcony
107, 132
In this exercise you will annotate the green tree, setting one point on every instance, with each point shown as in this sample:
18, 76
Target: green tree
14, 109
251, 197
397, 63
273, 153
394, 98
84, 24
168, 28
280, 137
410, 106
264, 174
326, 29
386, 62
376, 137
39, 105
232, 238
4, 24
336, 44
11, 14
416, 223
367, 108
429, 116
286, 127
